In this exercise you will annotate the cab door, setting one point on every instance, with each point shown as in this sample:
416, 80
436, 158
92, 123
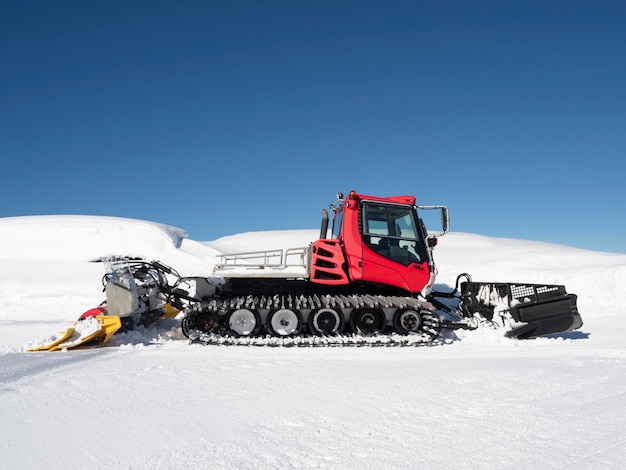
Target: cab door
394, 252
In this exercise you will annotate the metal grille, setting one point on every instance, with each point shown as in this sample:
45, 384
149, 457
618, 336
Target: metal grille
533, 291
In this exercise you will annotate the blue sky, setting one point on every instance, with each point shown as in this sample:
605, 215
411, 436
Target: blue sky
227, 117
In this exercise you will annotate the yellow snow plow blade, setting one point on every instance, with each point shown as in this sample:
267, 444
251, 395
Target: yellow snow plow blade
54, 340
110, 324
170, 312
91, 329
86, 331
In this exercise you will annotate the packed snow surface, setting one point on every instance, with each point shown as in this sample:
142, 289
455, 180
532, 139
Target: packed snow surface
150, 400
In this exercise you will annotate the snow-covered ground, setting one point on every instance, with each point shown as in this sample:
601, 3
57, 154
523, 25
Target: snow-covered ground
150, 400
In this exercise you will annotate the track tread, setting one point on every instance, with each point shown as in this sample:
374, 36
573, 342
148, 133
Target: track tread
427, 336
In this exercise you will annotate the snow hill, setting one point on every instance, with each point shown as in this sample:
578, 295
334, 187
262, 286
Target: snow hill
149, 400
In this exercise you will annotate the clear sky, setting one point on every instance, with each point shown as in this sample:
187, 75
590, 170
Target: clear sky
234, 116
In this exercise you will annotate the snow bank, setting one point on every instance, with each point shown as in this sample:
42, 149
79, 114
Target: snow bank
76, 237
598, 278
47, 273
267, 240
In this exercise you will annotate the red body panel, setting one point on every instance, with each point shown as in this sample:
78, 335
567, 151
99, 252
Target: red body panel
93, 312
328, 263
379, 269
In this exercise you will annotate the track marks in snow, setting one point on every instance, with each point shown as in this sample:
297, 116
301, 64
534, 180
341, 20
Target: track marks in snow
30, 367
602, 455
507, 405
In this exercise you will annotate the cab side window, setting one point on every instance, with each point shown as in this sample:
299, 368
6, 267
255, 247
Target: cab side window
390, 232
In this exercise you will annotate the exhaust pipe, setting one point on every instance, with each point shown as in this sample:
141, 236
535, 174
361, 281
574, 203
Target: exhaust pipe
324, 229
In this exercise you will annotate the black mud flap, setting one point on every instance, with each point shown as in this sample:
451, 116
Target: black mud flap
533, 309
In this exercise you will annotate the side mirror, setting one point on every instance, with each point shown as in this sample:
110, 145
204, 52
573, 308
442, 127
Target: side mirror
432, 242
445, 219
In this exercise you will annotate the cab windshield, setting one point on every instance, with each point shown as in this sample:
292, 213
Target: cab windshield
390, 231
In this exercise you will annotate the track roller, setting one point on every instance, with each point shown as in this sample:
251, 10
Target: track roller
325, 322
243, 322
407, 321
206, 322
284, 322
368, 321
